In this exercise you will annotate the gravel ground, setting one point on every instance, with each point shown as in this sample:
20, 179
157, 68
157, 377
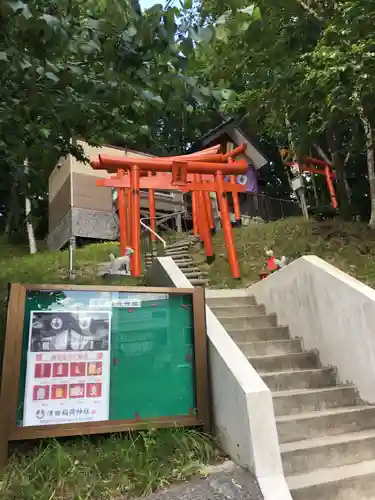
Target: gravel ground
224, 482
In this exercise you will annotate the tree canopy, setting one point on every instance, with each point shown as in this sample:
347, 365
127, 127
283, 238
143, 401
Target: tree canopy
303, 72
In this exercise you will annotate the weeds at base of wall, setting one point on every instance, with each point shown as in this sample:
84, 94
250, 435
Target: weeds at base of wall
102, 468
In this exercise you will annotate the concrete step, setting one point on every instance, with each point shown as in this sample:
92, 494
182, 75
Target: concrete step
281, 362
199, 282
178, 246
294, 401
168, 253
270, 347
301, 379
190, 269
230, 301
259, 334
199, 274
184, 262
333, 451
239, 311
350, 482
247, 321
184, 265
329, 422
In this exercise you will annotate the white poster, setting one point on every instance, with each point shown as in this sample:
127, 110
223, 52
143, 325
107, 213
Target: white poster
68, 367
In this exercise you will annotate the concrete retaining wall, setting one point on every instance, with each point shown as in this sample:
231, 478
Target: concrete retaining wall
242, 404
331, 311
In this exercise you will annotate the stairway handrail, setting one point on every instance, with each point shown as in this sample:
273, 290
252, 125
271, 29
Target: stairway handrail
165, 218
153, 232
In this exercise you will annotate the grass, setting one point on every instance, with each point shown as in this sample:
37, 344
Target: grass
350, 246
116, 467
18, 266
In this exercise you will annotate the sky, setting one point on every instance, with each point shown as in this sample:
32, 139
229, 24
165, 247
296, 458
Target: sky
145, 4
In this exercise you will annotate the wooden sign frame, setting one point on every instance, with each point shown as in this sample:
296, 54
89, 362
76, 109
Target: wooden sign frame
9, 431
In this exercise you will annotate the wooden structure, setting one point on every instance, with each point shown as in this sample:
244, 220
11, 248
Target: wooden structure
15, 363
78, 208
313, 165
228, 136
199, 173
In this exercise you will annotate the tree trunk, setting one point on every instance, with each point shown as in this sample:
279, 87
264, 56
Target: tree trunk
29, 225
370, 162
338, 164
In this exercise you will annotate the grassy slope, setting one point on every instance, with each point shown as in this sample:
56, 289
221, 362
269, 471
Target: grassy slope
349, 246
112, 468
115, 467
45, 267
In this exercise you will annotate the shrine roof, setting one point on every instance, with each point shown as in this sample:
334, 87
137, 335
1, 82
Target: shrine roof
235, 129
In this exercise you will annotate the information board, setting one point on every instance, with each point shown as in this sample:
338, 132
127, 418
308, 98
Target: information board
67, 367
80, 360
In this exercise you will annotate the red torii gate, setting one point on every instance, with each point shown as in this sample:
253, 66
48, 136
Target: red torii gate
199, 173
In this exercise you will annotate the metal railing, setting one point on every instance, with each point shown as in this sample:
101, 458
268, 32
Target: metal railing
145, 226
150, 248
266, 207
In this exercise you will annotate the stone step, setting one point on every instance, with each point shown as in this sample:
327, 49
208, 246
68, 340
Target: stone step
178, 246
281, 362
230, 301
329, 422
290, 402
333, 451
199, 282
268, 347
301, 379
350, 482
247, 321
239, 311
259, 334
190, 270
169, 253
184, 263
195, 274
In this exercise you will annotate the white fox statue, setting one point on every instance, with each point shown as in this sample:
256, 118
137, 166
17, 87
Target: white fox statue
121, 265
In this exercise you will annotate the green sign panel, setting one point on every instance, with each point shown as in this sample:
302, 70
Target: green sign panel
91, 356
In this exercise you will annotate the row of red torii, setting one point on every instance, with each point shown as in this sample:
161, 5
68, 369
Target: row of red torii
200, 173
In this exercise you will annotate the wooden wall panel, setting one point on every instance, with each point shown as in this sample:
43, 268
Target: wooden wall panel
58, 176
86, 194
59, 205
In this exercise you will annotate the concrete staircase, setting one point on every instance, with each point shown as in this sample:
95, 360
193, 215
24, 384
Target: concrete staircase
326, 434
179, 252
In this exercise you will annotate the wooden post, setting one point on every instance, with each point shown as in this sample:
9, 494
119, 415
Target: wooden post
128, 215
179, 223
331, 189
210, 213
236, 203
121, 202
152, 209
227, 226
194, 213
135, 225
204, 227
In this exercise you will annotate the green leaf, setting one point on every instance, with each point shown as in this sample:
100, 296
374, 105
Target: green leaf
52, 76
51, 20
150, 96
202, 34
16, 5
3, 56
